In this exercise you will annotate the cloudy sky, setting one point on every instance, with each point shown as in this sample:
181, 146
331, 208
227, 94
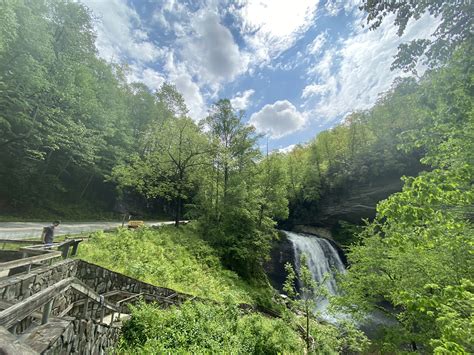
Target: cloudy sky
295, 66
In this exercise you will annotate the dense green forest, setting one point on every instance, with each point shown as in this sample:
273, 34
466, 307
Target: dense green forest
78, 140
67, 117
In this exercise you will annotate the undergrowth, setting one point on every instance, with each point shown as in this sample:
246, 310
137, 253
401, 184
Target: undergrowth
200, 328
175, 258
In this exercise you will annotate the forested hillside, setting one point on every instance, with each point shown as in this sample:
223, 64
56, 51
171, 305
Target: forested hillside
417, 253
67, 117
362, 152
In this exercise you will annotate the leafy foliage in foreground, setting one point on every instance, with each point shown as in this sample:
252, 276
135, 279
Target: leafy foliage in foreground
203, 328
418, 252
454, 28
170, 257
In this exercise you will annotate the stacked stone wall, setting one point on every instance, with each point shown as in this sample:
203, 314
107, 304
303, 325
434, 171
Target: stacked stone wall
103, 280
19, 287
85, 337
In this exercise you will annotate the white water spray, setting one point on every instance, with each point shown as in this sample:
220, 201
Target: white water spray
323, 261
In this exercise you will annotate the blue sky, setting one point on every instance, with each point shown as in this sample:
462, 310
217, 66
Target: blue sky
296, 67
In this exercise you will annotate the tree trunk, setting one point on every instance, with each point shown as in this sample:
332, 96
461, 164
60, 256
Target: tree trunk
85, 187
177, 215
217, 192
308, 343
226, 181
179, 199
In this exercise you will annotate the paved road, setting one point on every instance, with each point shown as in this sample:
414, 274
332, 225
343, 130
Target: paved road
22, 230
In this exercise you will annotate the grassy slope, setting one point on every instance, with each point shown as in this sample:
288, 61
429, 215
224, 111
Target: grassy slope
173, 258
179, 259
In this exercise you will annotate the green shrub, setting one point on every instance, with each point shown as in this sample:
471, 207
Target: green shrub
206, 328
171, 257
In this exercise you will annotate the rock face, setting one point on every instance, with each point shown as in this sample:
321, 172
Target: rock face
322, 219
281, 253
351, 206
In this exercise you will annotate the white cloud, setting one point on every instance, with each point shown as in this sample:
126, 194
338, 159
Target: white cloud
122, 38
148, 76
278, 119
119, 33
324, 65
242, 99
210, 51
319, 89
317, 44
183, 81
352, 74
270, 27
287, 149
169, 8
334, 7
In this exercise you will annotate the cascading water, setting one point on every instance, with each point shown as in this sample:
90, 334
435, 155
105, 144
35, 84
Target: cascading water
323, 262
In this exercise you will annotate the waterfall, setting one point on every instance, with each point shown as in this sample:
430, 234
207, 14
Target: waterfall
323, 259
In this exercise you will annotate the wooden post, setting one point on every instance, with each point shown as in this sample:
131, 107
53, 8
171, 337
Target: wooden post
65, 251
24, 255
46, 311
74, 247
86, 305
102, 311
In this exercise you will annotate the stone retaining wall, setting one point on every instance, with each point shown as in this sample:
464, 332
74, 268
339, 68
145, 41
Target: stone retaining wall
85, 337
19, 287
73, 333
103, 280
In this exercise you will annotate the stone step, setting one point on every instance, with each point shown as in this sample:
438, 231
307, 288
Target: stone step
115, 321
39, 338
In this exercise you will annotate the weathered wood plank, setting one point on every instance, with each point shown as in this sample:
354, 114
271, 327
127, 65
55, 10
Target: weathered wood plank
21, 241
41, 337
20, 310
30, 260
91, 294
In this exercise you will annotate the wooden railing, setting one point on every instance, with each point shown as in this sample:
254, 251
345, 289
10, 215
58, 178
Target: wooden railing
23, 309
45, 299
28, 261
39, 253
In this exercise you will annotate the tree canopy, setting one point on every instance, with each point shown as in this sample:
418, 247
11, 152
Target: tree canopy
454, 28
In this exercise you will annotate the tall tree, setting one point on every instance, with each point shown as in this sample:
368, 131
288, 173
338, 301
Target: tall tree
175, 152
243, 195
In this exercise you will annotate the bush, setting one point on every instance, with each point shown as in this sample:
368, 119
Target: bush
206, 328
170, 257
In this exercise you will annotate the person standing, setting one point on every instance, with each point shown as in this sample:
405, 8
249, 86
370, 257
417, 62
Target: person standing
47, 237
